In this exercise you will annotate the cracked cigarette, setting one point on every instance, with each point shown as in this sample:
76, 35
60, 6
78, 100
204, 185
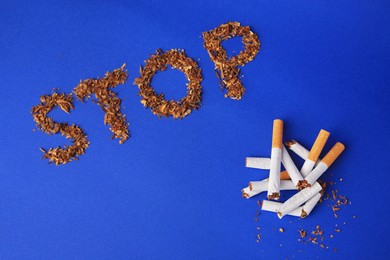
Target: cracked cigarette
257, 163
276, 157
298, 199
315, 152
292, 170
273, 206
326, 162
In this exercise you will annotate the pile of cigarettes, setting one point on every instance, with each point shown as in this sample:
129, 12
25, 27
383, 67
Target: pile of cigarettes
304, 180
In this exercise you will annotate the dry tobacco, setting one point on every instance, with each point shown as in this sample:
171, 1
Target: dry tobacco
159, 105
107, 100
79, 143
228, 72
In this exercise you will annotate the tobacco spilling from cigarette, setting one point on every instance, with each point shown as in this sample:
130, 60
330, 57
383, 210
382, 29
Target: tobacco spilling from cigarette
310, 191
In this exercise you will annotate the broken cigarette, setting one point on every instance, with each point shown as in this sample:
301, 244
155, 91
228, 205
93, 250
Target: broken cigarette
326, 162
263, 185
315, 152
258, 163
273, 206
301, 211
298, 149
276, 157
283, 176
292, 170
310, 204
250, 191
298, 199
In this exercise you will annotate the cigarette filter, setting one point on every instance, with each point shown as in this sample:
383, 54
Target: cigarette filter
298, 199
326, 162
276, 157
284, 175
292, 170
314, 152
273, 206
258, 163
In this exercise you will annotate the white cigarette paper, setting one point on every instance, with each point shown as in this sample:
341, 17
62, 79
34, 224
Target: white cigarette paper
276, 158
248, 193
301, 211
307, 167
274, 175
258, 163
316, 173
298, 149
298, 199
273, 206
257, 187
263, 185
310, 204
292, 170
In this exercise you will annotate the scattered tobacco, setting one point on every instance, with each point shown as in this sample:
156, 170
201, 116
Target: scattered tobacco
39, 112
158, 104
107, 100
226, 69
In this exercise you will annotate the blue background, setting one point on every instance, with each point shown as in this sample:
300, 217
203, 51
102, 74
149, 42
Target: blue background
172, 191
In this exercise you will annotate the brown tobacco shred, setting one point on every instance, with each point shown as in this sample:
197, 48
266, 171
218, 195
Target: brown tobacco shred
317, 231
160, 106
303, 184
290, 143
302, 233
79, 143
228, 71
107, 100
274, 196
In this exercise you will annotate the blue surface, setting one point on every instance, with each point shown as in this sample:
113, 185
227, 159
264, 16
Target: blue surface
172, 191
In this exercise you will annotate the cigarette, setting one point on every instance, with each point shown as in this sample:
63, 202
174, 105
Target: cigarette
263, 185
276, 157
301, 211
258, 163
298, 199
326, 162
273, 206
309, 205
248, 193
314, 152
292, 170
298, 149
